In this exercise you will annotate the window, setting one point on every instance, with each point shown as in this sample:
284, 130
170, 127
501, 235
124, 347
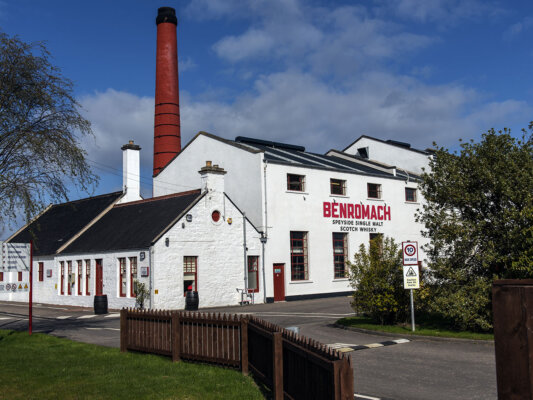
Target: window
337, 186
253, 276
299, 269
215, 215
87, 276
62, 273
190, 270
410, 194
340, 252
41, 271
296, 182
133, 276
123, 278
374, 191
80, 276
1, 276
69, 277
20, 276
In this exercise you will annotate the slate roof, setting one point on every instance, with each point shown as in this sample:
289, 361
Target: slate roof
288, 154
61, 222
133, 225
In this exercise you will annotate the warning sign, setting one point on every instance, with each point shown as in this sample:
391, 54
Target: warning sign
411, 278
410, 253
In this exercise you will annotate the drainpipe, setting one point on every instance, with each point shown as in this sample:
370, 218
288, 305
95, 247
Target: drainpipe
244, 246
150, 263
263, 242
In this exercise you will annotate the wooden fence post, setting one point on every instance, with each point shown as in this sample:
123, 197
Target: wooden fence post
277, 368
123, 330
175, 336
244, 346
346, 379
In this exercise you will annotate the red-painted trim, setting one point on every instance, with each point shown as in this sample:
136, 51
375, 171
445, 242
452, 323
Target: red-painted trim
133, 274
299, 243
1, 276
69, 272
62, 268
41, 271
87, 276
414, 191
253, 262
99, 275
20, 276
122, 275
80, 275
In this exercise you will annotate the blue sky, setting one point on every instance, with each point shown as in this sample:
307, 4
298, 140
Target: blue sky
316, 73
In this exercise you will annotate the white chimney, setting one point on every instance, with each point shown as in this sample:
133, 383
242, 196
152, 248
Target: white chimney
212, 178
131, 172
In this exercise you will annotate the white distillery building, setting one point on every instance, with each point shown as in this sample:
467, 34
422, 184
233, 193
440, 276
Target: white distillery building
313, 210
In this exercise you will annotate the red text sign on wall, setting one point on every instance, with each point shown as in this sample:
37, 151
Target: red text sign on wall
357, 211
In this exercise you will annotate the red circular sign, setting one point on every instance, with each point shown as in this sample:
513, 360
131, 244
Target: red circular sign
410, 250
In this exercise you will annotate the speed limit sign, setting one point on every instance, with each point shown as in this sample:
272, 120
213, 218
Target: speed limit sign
410, 253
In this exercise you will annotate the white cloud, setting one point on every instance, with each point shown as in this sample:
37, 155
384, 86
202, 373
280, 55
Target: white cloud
519, 27
116, 118
443, 12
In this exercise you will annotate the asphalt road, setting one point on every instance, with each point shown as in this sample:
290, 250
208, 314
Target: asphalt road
416, 368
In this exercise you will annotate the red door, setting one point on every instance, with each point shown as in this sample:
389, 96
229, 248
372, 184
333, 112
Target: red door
279, 282
99, 278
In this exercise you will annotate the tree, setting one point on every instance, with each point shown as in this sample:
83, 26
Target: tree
377, 277
40, 125
479, 217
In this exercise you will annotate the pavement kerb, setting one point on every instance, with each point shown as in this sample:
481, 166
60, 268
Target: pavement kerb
412, 337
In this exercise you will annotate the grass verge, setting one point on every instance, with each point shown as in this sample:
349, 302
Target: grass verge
46, 367
422, 329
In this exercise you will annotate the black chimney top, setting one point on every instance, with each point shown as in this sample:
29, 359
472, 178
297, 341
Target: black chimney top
166, 14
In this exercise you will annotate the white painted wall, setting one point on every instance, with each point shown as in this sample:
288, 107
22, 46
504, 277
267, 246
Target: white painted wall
242, 182
48, 291
219, 247
389, 154
294, 211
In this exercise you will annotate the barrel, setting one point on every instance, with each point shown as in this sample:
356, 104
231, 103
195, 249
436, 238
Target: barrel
191, 301
100, 304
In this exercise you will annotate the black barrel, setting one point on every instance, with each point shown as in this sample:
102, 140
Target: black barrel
191, 301
100, 304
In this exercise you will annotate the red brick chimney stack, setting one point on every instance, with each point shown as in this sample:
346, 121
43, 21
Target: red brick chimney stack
167, 137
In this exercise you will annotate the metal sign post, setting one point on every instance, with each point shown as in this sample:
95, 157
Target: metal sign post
410, 273
30, 324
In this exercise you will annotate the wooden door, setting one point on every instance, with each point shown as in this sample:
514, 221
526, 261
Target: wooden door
99, 278
279, 282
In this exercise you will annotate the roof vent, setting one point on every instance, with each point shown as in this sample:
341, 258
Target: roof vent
362, 152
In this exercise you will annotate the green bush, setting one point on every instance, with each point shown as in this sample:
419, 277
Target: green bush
377, 277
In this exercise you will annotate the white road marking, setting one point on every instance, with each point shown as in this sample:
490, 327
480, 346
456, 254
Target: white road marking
86, 316
362, 396
112, 316
101, 329
373, 345
3, 318
401, 340
63, 317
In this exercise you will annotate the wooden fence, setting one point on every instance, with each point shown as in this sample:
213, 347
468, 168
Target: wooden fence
293, 366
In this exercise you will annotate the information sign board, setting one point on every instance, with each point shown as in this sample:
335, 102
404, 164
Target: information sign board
15, 256
411, 278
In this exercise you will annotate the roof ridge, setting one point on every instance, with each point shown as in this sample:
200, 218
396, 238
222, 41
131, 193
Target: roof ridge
88, 198
167, 196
